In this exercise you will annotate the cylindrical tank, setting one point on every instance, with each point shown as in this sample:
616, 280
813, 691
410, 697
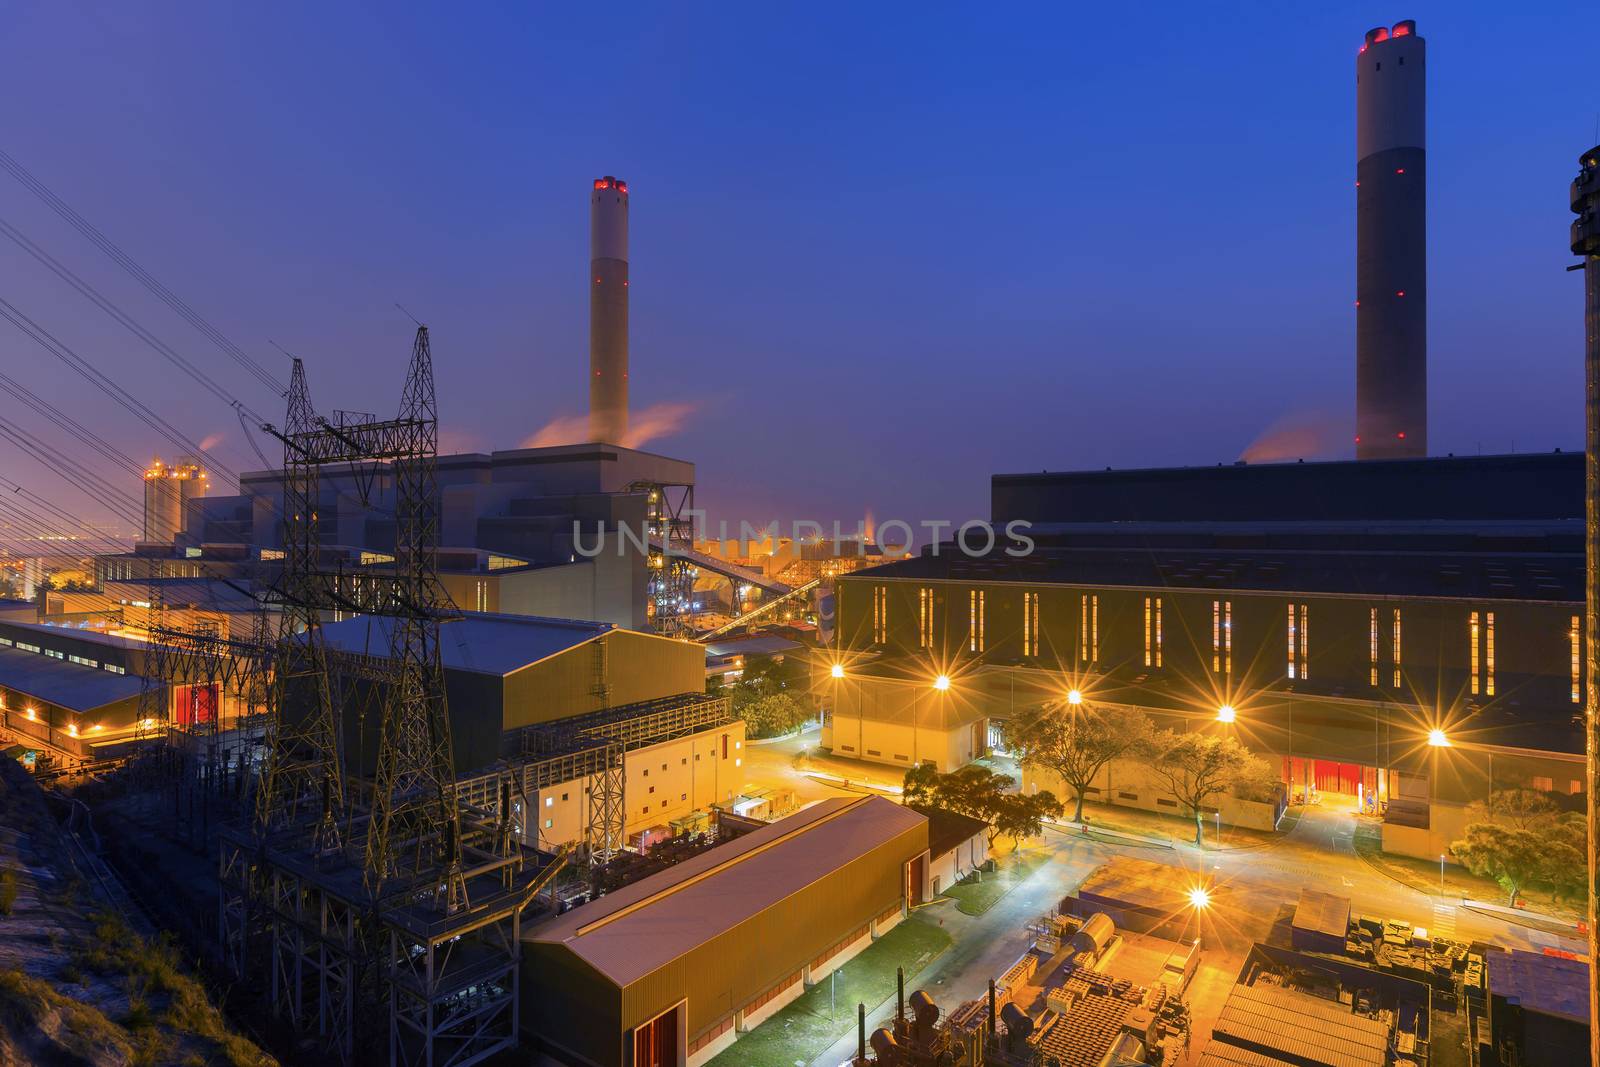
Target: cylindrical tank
192, 485
1095, 934
162, 504
1391, 245
608, 310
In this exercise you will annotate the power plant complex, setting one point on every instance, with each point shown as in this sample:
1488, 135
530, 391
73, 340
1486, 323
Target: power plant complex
427, 760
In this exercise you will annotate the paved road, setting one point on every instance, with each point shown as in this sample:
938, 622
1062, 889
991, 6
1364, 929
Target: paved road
1318, 853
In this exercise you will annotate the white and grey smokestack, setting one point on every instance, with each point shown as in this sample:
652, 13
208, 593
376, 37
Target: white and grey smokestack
608, 310
1391, 245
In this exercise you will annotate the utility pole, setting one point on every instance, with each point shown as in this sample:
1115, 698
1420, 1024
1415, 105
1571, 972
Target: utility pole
1585, 204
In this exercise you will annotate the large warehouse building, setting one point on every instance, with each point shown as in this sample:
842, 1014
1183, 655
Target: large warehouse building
1342, 613
668, 971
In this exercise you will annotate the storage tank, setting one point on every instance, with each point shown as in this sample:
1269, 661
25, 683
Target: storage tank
1094, 935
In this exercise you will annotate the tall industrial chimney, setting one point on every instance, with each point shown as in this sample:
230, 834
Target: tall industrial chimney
1391, 238
608, 310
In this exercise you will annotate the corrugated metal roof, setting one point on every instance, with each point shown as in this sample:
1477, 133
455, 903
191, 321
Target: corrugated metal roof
1551, 985
66, 685
759, 645
1217, 1054
1301, 1027
627, 934
1324, 913
485, 643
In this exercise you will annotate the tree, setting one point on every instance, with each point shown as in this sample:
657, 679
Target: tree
1077, 741
1019, 816
1199, 767
1522, 836
1509, 855
1520, 809
982, 794
1564, 862
920, 783
773, 715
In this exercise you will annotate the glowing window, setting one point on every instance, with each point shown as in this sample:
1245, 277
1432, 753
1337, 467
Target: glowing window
975, 621
1575, 651
1030, 624
1394, 647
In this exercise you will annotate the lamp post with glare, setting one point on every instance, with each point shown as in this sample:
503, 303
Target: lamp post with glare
1226, 713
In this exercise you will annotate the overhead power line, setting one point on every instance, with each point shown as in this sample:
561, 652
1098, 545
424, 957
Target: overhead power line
139, 410
139, 274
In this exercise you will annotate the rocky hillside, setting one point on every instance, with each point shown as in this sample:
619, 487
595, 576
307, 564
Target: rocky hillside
78, 984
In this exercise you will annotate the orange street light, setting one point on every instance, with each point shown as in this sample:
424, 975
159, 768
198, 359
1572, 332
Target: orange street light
837, 670
1074, 697
942, 682
1438, 739
1226, 713
1199, 897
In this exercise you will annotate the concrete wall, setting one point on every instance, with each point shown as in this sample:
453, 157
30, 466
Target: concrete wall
1131, 784
660, 783
903, 724
947, 869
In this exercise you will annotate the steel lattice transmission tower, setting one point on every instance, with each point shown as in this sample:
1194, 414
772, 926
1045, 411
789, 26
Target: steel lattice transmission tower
302, 768
415, 830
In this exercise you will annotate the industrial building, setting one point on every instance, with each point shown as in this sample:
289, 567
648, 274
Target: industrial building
958, 845
671, 969
69, 707
1342, 612
1538, 1009
1391, 244
503, 672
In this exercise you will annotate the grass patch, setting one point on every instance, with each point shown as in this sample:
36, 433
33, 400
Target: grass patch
801, 1031
977, 896
154, 975
28, 1005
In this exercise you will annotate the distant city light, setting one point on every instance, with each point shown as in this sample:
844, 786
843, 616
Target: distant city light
942, 682
1437, 738
1226, 713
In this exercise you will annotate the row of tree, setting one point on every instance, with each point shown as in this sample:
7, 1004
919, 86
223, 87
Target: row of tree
1521, 837
1077, 742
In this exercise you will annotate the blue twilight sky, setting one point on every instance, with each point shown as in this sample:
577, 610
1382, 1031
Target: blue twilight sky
879, 251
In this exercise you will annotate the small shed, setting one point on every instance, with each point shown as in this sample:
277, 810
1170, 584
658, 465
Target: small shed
1321, 922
